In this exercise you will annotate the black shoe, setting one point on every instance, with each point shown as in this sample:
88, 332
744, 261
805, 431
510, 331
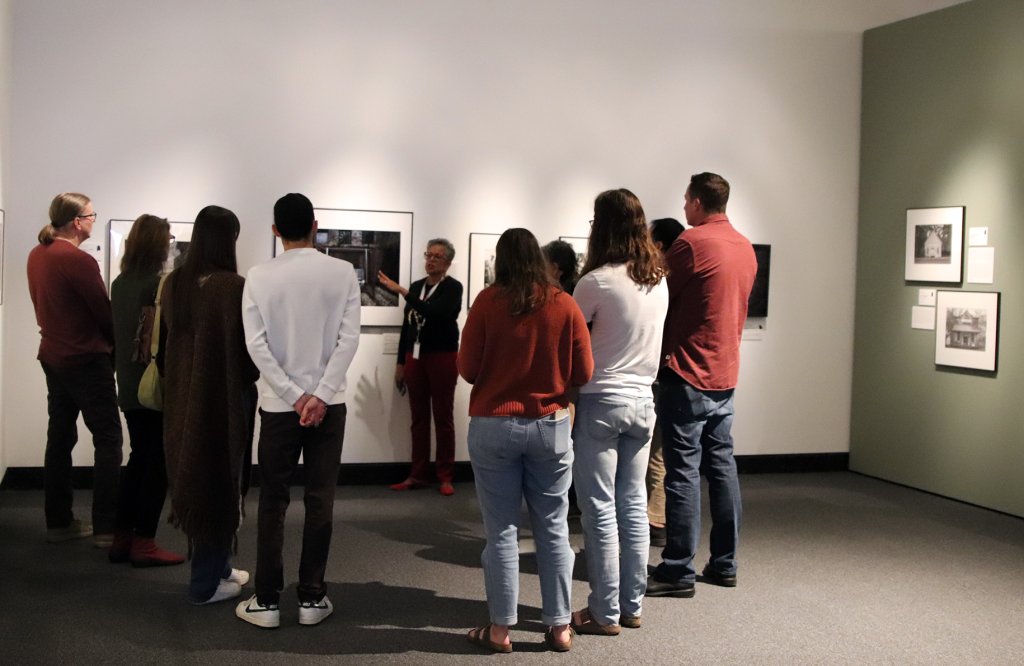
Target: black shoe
709, 575
657, 588
659, 537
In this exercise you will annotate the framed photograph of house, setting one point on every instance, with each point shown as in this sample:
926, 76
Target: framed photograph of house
967, 329
372, 241
579, 244
935, 244
117, 233
481, 264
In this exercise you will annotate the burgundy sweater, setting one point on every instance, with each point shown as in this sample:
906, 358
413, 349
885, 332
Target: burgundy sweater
524, 365
72, 308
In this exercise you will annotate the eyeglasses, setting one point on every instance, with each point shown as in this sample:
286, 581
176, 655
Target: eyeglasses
90, 216
431, 255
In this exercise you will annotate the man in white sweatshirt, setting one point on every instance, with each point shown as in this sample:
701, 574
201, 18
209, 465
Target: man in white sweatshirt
301, 317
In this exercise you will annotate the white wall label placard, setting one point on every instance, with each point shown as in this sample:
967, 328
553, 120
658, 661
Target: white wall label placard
390, 343
978, 236
922, 317
981, 265
926, 297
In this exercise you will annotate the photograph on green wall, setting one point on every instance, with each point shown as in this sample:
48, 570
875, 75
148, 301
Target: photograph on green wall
935, 241
967, 329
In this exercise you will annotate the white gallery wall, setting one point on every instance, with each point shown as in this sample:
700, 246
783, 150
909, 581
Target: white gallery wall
5, 77
476, 116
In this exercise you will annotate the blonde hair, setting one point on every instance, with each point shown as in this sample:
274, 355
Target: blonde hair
64, 208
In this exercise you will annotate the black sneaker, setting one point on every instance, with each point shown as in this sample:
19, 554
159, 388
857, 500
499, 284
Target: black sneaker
659, 537
657, 588
711, 576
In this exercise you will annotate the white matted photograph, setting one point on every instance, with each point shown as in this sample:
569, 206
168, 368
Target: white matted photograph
481, 264
935, 244
117, 233
372, 241
967, 329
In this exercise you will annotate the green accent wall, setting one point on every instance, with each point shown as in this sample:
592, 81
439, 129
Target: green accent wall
942, 125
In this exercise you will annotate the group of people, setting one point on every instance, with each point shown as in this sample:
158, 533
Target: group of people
561, 370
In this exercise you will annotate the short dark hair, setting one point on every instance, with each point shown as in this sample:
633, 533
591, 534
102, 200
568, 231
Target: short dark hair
293, 216
711, 189
665, 231
563, 255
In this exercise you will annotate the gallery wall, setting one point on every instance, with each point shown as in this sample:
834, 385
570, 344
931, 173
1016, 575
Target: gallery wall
5, 77
476, 117
942, 126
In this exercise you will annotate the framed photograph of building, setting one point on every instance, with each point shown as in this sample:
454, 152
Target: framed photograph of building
967, 329
935, 244
372, 241
481, 264
117, 233
579, 244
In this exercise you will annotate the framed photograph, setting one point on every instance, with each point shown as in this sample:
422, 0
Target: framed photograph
481, 264
579, 244
935, 244
757, 303
967, 329
372, 241
117, 233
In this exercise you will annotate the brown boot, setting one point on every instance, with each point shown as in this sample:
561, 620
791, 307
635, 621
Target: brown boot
120, 549
145, 553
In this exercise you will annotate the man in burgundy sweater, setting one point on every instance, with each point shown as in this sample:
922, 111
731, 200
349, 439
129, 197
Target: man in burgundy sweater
711, 272
74, 317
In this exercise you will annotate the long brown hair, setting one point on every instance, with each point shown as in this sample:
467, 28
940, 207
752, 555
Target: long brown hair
619, 235
145, 249
211, 249
520, 271
64, 208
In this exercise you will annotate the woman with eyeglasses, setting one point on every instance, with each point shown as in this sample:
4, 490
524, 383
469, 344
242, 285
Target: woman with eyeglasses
624, 298
209, 402
144, 480
427, 349
73, 313
525, 344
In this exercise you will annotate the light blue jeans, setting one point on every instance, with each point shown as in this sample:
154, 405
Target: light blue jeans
613, 439
513, 459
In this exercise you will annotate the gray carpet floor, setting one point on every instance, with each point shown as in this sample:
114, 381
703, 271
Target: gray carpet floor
835, 569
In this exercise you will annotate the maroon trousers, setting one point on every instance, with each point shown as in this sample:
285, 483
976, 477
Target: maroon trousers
431, 382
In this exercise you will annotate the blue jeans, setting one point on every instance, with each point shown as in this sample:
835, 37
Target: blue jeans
209, 566
696, 437
517, 458
612, 443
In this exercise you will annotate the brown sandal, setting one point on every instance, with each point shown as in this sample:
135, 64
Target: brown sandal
482, 636
584, 623
558, 646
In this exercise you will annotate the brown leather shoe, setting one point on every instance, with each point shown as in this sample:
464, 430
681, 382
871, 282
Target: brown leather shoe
558, 646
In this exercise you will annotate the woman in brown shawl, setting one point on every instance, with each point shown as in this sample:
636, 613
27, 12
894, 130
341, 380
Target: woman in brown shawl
209, 403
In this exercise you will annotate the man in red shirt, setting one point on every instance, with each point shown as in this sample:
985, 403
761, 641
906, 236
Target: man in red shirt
77, 329
711, 272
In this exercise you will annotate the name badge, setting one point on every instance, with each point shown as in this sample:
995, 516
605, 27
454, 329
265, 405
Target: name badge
416, 350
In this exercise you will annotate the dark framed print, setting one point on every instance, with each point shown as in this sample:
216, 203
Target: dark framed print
967, 329
481, 264
935, 244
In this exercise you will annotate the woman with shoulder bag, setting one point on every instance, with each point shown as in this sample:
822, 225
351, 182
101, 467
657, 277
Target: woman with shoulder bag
144, 480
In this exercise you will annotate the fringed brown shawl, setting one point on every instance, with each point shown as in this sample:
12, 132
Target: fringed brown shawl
208, 411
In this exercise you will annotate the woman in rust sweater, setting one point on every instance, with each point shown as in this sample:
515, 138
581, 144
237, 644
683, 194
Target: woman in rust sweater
524, 345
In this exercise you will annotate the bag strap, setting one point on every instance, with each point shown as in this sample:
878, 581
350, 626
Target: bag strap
154, 344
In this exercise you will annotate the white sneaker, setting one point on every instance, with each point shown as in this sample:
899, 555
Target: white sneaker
268, 617
239, 576
226, 589
315, 612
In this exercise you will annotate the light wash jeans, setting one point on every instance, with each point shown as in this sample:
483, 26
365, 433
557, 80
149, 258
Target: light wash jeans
516, 458
613, 438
